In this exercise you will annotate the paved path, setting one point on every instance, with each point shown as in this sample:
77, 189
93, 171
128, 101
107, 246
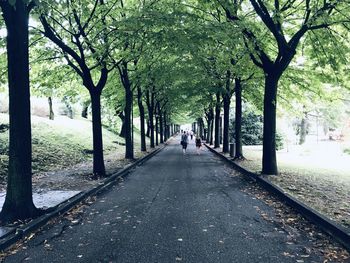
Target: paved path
174, 208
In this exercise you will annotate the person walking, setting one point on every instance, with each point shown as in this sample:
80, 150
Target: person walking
184, 142
198, 144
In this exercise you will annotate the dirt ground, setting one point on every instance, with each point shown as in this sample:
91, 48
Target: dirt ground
79, 176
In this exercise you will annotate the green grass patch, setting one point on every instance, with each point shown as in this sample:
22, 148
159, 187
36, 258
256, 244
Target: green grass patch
57, 144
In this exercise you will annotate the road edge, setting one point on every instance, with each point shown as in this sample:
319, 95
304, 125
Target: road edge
338, 232
21, 232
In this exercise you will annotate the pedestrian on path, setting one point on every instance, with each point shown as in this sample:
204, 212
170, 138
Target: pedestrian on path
184, 142
198, 144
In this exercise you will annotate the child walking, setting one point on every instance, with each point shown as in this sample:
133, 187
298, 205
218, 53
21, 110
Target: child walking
198, 144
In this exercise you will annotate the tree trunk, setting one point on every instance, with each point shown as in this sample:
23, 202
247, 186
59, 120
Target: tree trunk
98, 161
220, 129
227, 103
129, 147
217, 121
68, 108
150, 107
51, 113
269, 162
211, 141
238, 120
84, 112
207, 138
201, 128
210, 118
303, 125
157, 129
161, 127
122, 132
148, 128
166, 132
225, 143
142, 119
18, 202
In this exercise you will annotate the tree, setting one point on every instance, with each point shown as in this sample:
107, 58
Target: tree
142, 118
217, 119
274, 53
73, 33
238, 119
19, 202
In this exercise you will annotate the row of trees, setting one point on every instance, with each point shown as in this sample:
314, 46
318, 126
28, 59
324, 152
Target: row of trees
175, 61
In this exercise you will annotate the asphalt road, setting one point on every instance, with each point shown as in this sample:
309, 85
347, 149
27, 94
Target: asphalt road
173, 208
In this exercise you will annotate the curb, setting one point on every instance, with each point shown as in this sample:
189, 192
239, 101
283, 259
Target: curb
19, 233
338, 232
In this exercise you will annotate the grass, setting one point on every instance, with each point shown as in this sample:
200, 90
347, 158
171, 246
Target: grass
59, 143
319, 161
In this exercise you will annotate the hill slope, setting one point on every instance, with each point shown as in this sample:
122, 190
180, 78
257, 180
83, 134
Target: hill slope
57, 144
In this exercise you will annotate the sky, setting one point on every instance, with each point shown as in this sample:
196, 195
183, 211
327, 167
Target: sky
3, 32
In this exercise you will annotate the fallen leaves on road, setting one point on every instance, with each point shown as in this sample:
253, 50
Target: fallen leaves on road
295, 225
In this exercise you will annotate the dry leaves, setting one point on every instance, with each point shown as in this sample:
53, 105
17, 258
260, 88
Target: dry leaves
294, 224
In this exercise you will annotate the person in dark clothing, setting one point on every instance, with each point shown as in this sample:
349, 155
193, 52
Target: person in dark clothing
184, 142
198, 144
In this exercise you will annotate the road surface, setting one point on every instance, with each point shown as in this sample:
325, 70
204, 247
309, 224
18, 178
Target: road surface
173, 208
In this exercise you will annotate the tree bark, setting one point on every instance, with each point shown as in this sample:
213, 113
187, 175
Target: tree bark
211, 141
238, 120
84, 112
166, 127
217, 121
303, 129
201, 128
210, 131
150, 107
18, 202
142, 119
98, 161
69, 109
269, 162
227, 103
129, 147
148, 128
161, 127
207, 135
207, 130
157, 129
51, 113
122, 132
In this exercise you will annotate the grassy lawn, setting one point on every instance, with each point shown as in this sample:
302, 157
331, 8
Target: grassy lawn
317, 174
61, 143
